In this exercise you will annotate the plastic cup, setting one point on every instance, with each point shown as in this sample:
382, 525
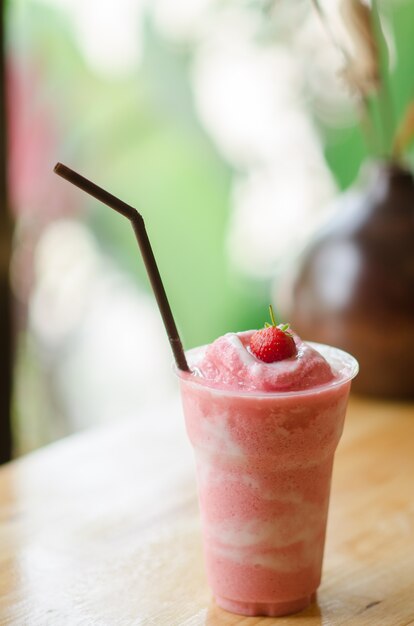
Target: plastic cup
264, 465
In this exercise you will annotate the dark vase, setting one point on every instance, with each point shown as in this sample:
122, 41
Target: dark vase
354, 284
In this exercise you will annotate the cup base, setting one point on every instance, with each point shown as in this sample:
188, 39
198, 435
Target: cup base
266, 609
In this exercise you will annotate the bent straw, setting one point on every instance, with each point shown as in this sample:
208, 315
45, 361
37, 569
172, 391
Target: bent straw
138, 225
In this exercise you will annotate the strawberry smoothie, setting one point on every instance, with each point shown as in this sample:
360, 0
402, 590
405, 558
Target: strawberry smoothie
264, 437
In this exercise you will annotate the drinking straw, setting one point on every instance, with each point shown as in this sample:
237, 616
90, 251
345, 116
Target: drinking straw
138, 225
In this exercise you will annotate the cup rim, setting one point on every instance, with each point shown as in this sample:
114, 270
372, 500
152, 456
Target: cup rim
348, 361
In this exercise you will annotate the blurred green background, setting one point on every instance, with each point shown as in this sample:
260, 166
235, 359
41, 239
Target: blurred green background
130, 119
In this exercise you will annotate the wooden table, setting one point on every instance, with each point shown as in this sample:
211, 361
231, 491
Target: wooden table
102, 529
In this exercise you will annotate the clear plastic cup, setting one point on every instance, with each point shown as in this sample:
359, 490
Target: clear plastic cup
264, 465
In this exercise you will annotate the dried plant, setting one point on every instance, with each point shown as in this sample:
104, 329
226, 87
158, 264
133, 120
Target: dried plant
405, 133
363, 66
361, 83
362, 69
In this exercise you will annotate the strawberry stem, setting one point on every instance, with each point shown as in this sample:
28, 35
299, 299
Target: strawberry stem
283, 327
272, 316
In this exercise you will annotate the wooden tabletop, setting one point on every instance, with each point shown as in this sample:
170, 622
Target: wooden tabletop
102, 528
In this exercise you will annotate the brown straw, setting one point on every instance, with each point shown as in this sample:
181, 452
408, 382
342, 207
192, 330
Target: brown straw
147, 254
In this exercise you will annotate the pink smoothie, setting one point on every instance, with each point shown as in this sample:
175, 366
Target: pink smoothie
264, 437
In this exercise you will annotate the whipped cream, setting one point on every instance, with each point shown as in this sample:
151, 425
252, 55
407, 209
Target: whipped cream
229, 364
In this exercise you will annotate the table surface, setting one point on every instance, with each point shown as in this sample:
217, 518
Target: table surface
102, 528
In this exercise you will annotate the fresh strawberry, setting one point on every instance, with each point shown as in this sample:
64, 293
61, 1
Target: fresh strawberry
273, 343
